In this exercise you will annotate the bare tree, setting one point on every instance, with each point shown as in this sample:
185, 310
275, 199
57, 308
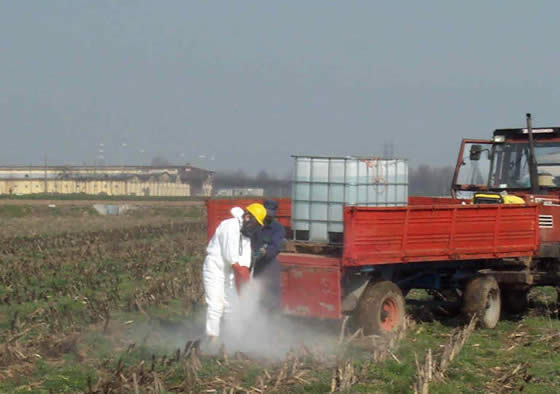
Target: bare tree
160, 161
428, 181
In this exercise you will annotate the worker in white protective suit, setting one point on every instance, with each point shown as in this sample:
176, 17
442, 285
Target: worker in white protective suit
226, 267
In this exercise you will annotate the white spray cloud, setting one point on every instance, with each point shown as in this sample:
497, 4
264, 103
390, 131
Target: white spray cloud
249, 328
261, 333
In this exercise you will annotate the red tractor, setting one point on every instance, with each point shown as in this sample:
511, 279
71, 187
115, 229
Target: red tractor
486, 246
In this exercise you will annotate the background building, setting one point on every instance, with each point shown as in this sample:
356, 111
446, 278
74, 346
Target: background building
107, 180
241, 192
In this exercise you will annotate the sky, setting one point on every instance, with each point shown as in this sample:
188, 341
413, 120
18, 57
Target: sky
246, 84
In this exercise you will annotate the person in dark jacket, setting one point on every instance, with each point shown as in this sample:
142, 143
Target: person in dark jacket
267, 244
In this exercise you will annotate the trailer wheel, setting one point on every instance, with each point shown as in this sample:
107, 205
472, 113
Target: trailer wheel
381, 308
515, 300
482, 298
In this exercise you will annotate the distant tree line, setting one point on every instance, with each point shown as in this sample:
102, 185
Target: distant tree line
272, 185
423, 181
430, 181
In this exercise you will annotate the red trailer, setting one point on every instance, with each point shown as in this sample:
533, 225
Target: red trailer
388, 251
488, 244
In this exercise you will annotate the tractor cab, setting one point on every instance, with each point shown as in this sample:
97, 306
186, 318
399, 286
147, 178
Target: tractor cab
523, 162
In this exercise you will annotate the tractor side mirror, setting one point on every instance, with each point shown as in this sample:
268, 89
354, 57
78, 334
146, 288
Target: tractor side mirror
475, 152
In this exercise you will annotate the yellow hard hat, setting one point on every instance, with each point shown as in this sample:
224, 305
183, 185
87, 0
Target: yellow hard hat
258, 211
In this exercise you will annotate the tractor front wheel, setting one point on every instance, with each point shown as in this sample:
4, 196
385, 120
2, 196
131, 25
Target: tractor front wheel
381, 309
482, 298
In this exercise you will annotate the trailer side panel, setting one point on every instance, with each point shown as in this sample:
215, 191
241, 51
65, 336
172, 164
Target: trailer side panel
438, 233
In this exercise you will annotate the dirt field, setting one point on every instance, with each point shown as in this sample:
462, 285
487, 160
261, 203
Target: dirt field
48, 219
101, 304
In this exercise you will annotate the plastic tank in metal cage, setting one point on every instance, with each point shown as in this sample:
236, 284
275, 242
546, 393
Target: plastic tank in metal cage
321, 186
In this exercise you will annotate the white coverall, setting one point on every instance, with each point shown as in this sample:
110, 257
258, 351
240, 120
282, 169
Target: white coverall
223, 250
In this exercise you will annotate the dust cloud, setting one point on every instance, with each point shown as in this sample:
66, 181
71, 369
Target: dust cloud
249, 328
260, 333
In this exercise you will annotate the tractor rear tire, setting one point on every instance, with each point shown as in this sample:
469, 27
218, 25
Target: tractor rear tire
482, 299
515, 300
380, 310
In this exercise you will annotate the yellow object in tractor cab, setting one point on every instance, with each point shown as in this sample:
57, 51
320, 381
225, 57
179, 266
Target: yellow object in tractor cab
496, 198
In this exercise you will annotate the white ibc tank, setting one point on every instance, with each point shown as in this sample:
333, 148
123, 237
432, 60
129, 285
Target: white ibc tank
321, 186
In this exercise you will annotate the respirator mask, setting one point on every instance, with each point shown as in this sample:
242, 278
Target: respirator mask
249, 226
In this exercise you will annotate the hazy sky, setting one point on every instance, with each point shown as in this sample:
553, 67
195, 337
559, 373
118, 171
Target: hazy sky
252, 82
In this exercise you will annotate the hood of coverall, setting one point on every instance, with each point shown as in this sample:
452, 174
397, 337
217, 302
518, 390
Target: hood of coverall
237, 213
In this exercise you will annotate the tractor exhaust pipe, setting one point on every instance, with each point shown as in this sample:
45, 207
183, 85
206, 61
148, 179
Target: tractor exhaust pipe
532, 161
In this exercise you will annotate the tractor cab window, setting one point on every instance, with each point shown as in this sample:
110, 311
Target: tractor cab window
510, 167
548, 163
474, 168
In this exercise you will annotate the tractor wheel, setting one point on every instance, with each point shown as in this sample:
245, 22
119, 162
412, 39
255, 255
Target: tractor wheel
515, 300
381, 308
482, 298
